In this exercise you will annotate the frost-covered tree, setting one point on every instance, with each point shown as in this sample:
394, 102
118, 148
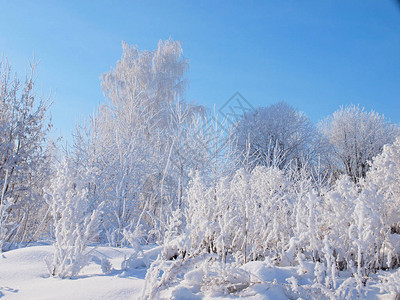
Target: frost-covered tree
356, 136
76, 225
24, 161
135, 144
278, 133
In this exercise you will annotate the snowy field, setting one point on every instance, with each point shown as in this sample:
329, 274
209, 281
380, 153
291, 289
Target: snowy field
24, 275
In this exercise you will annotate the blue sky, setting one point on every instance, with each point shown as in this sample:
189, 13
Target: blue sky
315, 55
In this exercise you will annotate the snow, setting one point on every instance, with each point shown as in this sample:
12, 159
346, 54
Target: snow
24, 275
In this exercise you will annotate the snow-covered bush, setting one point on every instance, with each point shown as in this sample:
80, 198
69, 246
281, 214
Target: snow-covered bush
337, 216
248, 215
384, 177
366, 237
161, 274
138, 257
269, 211
75, 225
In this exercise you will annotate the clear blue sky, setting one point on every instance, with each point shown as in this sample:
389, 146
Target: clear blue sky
315, 55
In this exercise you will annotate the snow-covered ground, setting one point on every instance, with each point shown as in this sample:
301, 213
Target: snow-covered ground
24, 275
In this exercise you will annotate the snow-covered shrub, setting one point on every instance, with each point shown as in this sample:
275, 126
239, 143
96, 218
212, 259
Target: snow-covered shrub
173, 238
249, 215
162, 274
384, 177
337, 217
365, 235
269, 213
201, 224
329, 265
306, 218
138, 257
75, 225
377, 212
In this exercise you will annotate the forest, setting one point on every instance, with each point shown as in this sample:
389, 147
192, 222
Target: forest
214, 195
